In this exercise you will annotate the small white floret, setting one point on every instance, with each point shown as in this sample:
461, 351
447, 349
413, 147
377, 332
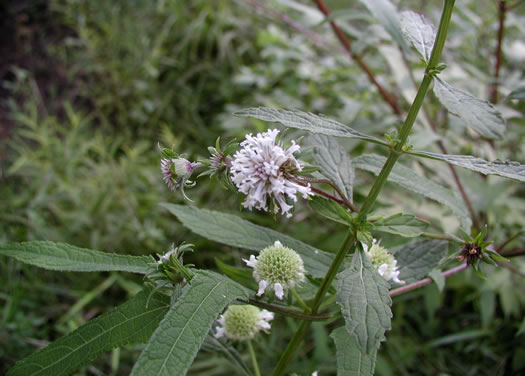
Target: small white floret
251, 262
279, 291
262, 286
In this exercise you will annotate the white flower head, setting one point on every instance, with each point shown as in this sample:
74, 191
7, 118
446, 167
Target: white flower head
384, 261
165, 257
263, 170
242, 322
277, 268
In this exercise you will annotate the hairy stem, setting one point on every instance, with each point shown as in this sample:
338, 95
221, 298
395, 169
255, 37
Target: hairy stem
344, 200
395, 152
426, 281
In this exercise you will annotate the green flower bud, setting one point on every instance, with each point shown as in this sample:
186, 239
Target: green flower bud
277, 267
243, 322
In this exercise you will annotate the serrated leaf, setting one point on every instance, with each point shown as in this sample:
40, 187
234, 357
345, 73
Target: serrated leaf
237, 232
507, 169
437, 277
415, 260
386, 13
330, 209
406, 225
519, 93
362, 295
350, 360
306, 121
66, 257
408, 179
178, 338
480, 115
131, 322
419, 31
334, 162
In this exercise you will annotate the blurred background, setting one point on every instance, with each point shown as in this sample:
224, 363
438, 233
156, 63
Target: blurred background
88, 89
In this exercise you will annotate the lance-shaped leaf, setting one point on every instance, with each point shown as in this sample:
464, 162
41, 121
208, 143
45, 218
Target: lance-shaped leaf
415, 260
334, 162
408, 179
507, 169
131, 322
331, 210
350, 360
237, 232
386, 13
480, 115
180, 335
362, 295
406, 225
66, 257
306, 121
419, 31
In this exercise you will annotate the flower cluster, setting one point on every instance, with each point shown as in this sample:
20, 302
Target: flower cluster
177, 171
384, 261
277, 267
243, 322
264, 171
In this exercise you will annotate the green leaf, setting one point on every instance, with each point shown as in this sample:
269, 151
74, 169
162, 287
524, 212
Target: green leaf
507, 169
437, 277
362, 295
242, 275
330, 209
350, 360
334, 162
408, 179
480, 115
65, 257
306, 121
406, 225
415, 260
466, 335
131, 322
519, 93
419, 31
237, 232
180, 335
386, 13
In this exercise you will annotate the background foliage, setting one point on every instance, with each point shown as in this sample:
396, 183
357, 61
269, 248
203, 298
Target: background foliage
90, 87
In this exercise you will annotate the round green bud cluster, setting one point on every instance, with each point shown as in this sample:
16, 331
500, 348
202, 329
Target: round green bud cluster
384, 261
243, 322
277, 267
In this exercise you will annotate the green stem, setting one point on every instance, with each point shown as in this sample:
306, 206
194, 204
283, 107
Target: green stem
300, 300
395, 152
325, 285
254, 359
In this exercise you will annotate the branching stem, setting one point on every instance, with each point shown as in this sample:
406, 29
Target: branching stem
502, 10
347, 45
426, 281
344, 200
350, 239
